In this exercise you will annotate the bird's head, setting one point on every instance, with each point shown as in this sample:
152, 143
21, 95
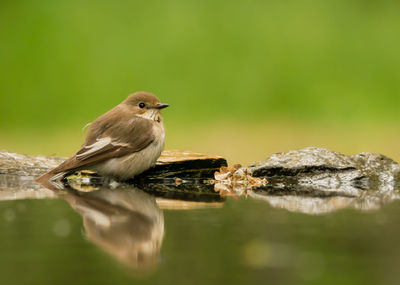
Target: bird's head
144, 104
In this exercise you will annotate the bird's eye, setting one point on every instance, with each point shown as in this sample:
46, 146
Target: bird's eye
142, 105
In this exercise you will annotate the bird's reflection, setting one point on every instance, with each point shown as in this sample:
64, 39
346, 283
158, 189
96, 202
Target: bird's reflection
125, 222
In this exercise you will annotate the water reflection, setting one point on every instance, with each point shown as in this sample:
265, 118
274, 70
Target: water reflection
309, 198
315, 205
126, 223
125, 220
312, 198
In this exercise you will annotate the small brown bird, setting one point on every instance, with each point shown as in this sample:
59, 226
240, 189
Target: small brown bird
121, 143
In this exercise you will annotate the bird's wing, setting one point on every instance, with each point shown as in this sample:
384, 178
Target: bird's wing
113, 140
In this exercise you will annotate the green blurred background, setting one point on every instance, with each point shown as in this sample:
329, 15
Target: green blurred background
244, 78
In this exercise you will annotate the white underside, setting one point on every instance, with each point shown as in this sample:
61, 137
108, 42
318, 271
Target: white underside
133, 164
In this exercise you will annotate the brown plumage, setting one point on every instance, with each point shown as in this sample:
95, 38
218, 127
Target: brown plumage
123, 142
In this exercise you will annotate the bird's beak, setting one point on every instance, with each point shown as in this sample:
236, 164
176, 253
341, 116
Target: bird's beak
161, 106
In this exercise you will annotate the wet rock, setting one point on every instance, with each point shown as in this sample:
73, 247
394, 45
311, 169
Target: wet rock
172, 163
26, 165
178, 175
17, 173
328, 170
310, 180
184, 164
318, 181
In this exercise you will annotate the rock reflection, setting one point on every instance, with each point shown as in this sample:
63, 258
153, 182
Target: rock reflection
316, 205
125, 222
311, 198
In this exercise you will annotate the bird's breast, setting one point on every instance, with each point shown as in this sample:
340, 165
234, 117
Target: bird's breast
135, 163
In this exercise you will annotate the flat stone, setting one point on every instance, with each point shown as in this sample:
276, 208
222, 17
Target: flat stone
26, 165
184, 164
178, 175
172, 163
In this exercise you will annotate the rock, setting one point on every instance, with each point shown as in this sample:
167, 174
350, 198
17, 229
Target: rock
325, 169
172, 163
178, 175
184, 164
26, 165
310, 180
316, 181
17, 172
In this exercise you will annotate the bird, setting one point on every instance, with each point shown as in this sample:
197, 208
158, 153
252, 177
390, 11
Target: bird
122, 143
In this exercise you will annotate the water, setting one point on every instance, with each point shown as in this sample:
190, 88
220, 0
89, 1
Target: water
125, 235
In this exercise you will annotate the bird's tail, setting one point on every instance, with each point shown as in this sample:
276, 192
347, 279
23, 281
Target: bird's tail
50, 176
56, 173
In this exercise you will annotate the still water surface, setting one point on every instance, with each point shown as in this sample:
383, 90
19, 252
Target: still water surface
128, 236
